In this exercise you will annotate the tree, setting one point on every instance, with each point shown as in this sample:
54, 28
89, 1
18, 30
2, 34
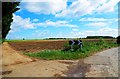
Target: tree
8, 8
23, 38
118, 40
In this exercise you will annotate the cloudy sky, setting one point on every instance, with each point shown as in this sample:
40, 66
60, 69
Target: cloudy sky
38, 19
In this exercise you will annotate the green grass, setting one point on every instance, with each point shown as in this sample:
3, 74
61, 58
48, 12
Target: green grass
88, 49
57, 54
28, 40
20, 40
0, 40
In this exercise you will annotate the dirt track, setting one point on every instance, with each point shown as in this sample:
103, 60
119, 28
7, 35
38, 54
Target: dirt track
18, 65
11, 56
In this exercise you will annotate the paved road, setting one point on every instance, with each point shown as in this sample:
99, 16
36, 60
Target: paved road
103, 64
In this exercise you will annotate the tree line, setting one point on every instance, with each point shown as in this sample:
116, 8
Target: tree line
96, 37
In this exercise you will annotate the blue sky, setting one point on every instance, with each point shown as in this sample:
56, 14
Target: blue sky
63, 19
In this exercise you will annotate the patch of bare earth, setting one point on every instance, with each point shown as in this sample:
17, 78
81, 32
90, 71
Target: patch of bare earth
36, 46
18, 65
11, 56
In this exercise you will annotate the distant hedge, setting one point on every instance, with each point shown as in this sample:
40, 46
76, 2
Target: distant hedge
95, 37
57, 38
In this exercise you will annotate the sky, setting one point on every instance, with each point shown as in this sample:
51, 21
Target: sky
39, 19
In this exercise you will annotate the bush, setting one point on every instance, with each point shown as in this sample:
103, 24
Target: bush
118, 40
67, 47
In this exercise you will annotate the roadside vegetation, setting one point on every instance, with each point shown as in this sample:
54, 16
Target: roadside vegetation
88, 49
0, 40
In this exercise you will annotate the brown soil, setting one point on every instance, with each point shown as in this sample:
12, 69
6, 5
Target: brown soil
34, 46
18, 65
10, 56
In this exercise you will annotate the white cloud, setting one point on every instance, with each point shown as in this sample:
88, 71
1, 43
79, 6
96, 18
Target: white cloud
93, 19
75, 29
106, 31
59, 8
41, 33
101, 32
35, 20
97, 24
77, 8
117, 19
55, 24
84, 7
19, 22
99, 19
27, 23
45, 6
76, 33
107, 7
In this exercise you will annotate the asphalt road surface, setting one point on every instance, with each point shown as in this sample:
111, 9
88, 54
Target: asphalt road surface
102, 64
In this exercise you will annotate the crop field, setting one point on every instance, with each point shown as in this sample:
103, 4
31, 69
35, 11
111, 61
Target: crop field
34, 46
56, 49
38, 45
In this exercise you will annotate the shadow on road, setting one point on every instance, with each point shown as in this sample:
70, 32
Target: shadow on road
78, 70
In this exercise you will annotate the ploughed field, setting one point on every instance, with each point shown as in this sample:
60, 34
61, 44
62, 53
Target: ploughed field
35, 46
39, 45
